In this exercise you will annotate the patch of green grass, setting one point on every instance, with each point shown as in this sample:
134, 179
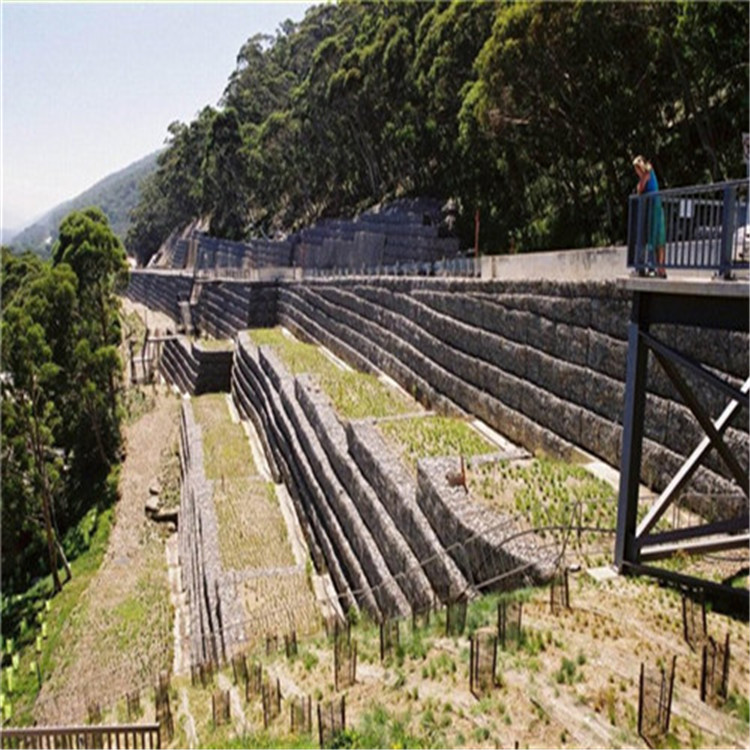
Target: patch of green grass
297, 356
29, 607
226, 452
266, 740
739, 706
424, 437
381, 728
141, 623
545, 492
251, 528
354, 395
133, 327
136, 401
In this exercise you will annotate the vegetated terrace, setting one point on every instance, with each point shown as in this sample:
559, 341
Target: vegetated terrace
353, 394
253, 537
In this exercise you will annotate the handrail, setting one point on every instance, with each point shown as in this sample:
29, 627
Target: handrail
702, 227
87, 736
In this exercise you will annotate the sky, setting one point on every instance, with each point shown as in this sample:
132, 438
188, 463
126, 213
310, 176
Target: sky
88, 88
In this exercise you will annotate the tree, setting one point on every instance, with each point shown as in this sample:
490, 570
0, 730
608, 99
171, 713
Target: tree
173, 195
224, 179
37, 333
97, 258
60, 382
531, 112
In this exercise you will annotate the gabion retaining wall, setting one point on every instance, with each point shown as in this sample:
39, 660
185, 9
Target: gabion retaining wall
543, 363
193, 369
160, 290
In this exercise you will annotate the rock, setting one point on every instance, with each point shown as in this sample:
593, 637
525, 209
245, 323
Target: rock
154, 488
152, 505
165, 516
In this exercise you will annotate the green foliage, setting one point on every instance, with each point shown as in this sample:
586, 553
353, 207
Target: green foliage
423, 437
354, 394
739, 706
546, 492
22, 613
60, 409
530, 112
379, 728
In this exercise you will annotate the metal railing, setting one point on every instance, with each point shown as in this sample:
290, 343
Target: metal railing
453, 267
700, 227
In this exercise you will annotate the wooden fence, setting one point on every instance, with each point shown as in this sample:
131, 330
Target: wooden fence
115, 736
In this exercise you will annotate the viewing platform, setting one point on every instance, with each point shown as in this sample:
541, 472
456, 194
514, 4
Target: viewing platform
705, 258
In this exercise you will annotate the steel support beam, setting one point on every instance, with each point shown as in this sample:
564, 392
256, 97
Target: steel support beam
702, 306
701, 371
735, 600
682, 477
730, 526
632, 435
739, 474
695, 547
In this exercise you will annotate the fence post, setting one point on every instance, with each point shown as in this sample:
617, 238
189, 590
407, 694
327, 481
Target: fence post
727, 232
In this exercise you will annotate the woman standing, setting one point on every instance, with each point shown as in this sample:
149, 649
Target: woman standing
656, 230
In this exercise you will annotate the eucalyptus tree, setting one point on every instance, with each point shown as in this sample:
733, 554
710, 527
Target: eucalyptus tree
38, 333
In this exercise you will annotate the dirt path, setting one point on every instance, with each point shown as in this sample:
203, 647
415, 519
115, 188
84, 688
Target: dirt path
120, 633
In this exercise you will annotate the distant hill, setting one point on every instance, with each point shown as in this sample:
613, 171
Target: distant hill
117, 195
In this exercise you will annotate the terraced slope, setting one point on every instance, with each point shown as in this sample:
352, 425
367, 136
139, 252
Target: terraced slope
235, 541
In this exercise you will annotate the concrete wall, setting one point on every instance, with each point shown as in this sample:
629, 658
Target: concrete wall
593, 264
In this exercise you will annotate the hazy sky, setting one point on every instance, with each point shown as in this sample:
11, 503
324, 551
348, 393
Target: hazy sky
88, 88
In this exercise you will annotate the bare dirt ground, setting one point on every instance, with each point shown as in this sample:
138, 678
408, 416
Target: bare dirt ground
120, 634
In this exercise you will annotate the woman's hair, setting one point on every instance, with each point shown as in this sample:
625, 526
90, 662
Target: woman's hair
643, 163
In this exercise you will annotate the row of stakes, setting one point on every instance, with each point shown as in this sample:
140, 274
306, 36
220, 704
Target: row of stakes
331, 714
11, 673
655, 688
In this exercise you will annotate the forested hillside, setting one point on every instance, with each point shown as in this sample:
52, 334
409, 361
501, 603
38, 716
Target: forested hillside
117, 195
60, 387
530, 113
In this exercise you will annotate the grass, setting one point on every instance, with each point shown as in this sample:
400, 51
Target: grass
425, 437
169, 476
546, 492
141, 623
135, 402
298, 356
252, 530
133, 327
30, 608
226, 452
354, 395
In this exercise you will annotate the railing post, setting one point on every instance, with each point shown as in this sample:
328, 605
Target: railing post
727, 231
636, 216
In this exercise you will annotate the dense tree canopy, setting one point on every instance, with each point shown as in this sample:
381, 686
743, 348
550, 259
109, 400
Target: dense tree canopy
60, 383
530, 112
